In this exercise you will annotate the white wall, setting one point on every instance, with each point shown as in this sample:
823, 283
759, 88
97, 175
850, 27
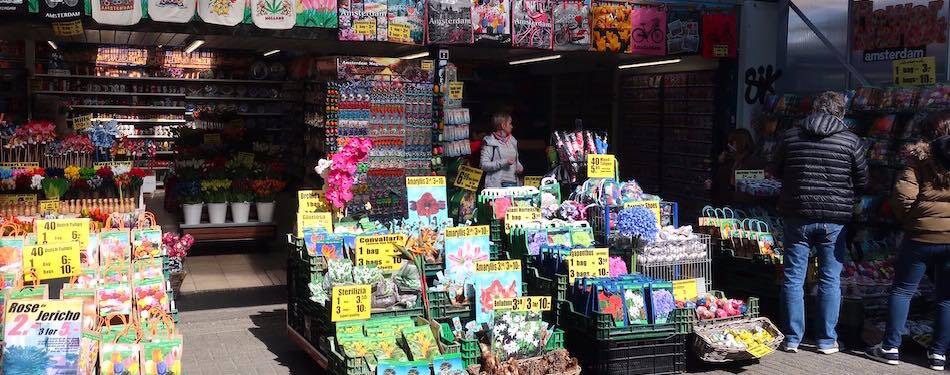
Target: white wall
757, 42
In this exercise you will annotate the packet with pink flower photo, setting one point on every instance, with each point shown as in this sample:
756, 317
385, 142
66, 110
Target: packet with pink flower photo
465, 246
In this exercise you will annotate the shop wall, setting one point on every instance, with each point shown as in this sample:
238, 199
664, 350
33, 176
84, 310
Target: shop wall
756, 57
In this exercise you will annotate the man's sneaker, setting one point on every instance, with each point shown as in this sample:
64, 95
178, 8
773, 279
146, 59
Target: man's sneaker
936, 361
831, 350
889, 356
788, 348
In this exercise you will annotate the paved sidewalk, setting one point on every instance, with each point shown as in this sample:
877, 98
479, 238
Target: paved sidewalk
253, 341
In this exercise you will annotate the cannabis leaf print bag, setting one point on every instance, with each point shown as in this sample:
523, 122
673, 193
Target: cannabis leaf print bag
273, 14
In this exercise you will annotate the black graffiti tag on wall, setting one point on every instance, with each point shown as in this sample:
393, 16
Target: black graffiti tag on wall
760, 82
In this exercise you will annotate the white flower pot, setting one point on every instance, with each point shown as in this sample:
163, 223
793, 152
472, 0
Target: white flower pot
217, 212
192, 213
240, 211
265, 212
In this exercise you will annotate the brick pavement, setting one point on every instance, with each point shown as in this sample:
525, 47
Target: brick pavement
253, 341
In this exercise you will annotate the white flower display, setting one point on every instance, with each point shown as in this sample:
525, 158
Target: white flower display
323, 167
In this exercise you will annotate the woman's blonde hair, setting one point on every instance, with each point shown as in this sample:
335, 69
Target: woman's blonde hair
499, 119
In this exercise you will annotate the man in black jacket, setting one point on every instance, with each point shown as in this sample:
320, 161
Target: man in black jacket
822, 164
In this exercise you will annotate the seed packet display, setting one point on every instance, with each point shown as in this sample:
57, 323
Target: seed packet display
161, 354
386, 347
449, 364
363, 20
491, 285
11, 254
405, 21
635, 302
402, 368
532, 25
662, 302
90, 307
88, 352
450, 22
491, 21
610, 26
516, 335
682, 31
114, 246
150, 294
571, 25
648, 32
461, 254
119, 358
115, 298
146, 243
610, 301
421, 343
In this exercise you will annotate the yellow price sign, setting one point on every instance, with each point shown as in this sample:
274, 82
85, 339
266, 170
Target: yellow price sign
62, 230
456, 88
314, 219
49, 205
523, 304
365, 27
516, 215
399, 32
601, 166
915, 72
685, 290
351, 302
458, 232
498, 265
426, 65
651, 205
112, 164
588, 263
245, 158
81, 123
381, 251
532, 181
759, 351
311, 201
425, 181
468, 178
19, 165
52, 261
213, 139
18, 198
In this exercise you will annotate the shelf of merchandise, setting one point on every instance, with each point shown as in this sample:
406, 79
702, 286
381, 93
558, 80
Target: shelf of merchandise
236, 98
109, 93
143, 120
249, 114
143, 107
208, 80
149, 136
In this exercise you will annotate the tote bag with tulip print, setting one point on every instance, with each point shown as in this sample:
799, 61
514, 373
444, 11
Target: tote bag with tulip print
610, 26
316, 13
117, 12
177, 11
273, 14
222, 12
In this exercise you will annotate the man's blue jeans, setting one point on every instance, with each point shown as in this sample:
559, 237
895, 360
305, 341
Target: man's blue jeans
911, 263
829, 240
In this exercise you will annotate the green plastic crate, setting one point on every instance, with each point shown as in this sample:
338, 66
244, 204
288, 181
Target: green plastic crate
601, 326
471, 351
543, 286
341, 364
685, 319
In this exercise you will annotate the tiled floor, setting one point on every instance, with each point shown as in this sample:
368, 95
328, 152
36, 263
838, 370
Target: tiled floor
233, 271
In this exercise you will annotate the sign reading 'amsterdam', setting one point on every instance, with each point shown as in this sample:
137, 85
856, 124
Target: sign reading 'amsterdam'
899, 31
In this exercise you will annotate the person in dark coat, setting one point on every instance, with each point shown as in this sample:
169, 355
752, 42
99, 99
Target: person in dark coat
823, 167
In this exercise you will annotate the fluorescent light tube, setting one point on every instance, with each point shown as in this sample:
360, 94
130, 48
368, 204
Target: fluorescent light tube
268, 53
536, 59
650, 63
51, 44
194, 45
415, 56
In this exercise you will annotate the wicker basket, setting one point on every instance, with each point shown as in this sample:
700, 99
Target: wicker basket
176, 279
707, 351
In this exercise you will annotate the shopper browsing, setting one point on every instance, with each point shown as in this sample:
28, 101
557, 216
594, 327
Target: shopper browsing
922, 204
821, 163
500, 154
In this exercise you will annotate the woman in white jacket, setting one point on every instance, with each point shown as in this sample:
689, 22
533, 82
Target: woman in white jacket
499, 157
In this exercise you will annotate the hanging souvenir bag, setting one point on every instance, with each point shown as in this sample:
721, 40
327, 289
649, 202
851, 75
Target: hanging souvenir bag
176, 11
117, 12
222, 12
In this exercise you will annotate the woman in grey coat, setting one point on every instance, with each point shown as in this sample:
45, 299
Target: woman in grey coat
499, 157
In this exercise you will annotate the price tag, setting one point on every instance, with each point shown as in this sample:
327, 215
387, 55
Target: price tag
468, 178
62, 230
588, 263
532, 181
759, 351
455, 90
112, 164
382, 251
426, 65
245, 158
351, 302
81, 123
651, 205
516, 215
68, 28
915, 72
498, 265
523, 304
18, 198
311, 201
685, 290
213, 139
399, 32
601, 166
19, 165
49, 205
458, 232
720, 50
365, 27
52, 261
425, 181
314, 219
750, 174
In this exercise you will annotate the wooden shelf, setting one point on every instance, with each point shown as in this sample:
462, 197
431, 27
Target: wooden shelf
213, 80
108, 93
230, 231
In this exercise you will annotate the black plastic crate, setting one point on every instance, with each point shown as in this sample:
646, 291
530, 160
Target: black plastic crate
629, 357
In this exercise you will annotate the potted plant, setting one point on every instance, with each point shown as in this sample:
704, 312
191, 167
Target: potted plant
241, 197
215, 193
265, 190
189, 194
